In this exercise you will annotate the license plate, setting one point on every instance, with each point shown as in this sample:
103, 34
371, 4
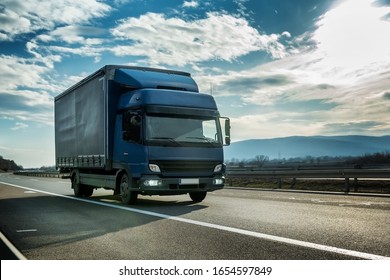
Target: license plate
194, 181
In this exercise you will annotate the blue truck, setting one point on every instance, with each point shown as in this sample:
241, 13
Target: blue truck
140, 131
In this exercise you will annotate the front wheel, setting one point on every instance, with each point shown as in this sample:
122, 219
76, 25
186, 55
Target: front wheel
198, 196
127, 196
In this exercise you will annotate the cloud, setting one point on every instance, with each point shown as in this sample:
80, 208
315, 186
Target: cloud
346, 67
353, 127
84, 51
20, 17
174, 41
74, 34
245, 82
11, 24
79, 40
25, 90
274, 124
190, 4
27, 106
19, 126
336, 73
18, 100
20, 72
7, 118
297, 99
360, 44
28, 83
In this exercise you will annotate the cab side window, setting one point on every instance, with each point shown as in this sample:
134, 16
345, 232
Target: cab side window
131, 126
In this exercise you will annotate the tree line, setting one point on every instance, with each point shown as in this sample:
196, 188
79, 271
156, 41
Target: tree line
9, 165
262, 160
376, 158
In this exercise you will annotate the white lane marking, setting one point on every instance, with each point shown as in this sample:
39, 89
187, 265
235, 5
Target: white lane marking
274, 238
26, 230
30, 192
11, 246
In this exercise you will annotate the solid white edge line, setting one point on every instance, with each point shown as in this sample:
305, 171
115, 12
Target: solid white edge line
274, 238
11, 246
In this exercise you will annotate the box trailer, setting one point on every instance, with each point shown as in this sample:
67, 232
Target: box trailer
141, 131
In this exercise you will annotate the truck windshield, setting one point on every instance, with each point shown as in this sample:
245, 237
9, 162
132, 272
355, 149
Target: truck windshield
182, 131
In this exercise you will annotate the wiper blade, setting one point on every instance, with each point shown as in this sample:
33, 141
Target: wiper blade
170, 139
208, 140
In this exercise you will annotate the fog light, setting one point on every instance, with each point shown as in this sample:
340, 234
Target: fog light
154, 168
219, 181
152, 183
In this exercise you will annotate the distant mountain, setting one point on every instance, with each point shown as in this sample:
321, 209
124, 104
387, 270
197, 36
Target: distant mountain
301, 146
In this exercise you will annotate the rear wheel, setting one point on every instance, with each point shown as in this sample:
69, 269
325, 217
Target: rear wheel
79, 189
198, 196
127, 196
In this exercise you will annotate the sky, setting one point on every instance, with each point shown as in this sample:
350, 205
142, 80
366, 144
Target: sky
276, 68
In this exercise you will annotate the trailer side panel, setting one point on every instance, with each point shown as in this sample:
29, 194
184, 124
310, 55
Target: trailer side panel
80, 126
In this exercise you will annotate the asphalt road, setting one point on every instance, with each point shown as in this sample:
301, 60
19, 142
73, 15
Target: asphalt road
43, 219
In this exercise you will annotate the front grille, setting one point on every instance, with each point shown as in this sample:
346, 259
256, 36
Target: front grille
186, 168
186, 187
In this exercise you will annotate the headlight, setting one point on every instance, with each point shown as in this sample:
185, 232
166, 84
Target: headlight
218, 168
219, 181
154, 168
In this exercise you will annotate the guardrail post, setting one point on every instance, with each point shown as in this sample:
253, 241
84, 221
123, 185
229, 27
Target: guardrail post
346, 185
355, 184
293, 182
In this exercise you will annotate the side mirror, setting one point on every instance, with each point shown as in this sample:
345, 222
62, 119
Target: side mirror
227, 127
135, 120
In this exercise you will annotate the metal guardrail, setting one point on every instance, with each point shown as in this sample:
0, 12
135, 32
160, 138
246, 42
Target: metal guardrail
318, 174
39, 173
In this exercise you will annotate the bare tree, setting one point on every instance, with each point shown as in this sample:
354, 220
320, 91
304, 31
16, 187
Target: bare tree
260, 160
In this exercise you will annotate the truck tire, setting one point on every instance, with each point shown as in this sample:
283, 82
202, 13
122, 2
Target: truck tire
127, 196
79, 189
198, 196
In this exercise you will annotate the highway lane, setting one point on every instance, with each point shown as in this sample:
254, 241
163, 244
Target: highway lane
44, 221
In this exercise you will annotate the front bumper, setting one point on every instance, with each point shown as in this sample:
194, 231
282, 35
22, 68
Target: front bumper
155, 185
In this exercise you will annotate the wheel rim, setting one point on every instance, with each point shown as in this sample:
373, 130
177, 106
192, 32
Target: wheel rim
124, 188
